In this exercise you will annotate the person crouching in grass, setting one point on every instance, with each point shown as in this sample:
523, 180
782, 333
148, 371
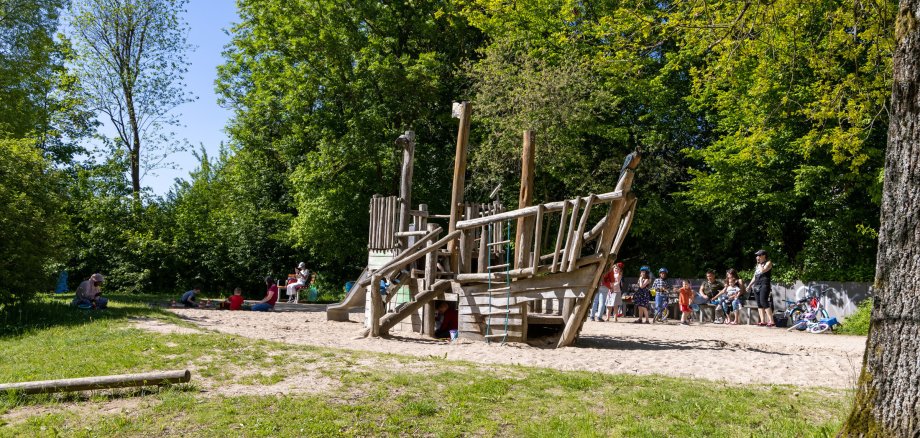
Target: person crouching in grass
188, 298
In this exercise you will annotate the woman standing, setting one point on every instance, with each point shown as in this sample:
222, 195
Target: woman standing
763, 289
642, 295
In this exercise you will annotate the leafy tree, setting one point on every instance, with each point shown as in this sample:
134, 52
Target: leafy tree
321, 90
38, 96
131, 58
797, 95
33, 222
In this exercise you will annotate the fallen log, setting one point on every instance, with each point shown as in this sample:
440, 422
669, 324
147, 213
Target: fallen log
99, 382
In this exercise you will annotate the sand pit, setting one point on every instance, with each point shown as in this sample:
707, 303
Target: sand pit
734, 354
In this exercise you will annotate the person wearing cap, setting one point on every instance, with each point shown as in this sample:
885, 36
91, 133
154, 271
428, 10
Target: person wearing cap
303, 280
89, 295
271, 297
763, 289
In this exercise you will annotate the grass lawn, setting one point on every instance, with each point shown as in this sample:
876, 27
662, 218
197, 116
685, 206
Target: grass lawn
248, 387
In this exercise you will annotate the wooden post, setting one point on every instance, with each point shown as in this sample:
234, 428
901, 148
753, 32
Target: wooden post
466, 242
407, 141
456, 197
570, 235
376, 302
431, 269
525, 199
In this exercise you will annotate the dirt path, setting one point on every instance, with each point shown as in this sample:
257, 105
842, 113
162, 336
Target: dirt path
736, 354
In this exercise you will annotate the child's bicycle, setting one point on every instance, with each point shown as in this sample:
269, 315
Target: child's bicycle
660, 314
812, 324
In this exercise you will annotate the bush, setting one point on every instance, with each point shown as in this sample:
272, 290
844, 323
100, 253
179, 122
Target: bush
32, 221
858, 323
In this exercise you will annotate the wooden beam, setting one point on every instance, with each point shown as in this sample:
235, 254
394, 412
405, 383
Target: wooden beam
532, 210
456, 197
407, 141
421, 299
554, 266
525, 199
98, 382
575, 253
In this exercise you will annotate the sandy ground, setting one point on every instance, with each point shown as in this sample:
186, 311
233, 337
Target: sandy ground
734, 354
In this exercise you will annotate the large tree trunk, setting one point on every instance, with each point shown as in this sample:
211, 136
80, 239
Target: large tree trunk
888, 394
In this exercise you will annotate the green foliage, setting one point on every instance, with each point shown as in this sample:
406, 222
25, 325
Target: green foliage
38, 96
131, 60
763, 124
33, 226
859, 322
322, 89
33, 221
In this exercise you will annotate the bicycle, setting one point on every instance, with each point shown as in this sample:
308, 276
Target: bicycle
661, 314
810, 303
812, 324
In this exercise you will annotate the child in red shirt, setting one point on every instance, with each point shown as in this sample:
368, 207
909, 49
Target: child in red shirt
236, 300
685, 297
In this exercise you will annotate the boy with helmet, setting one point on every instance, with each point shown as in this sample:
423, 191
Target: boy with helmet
662, 288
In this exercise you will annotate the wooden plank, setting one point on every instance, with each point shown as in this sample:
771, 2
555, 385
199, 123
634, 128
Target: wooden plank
559, 280
404, 254
419, 254
530, 211
570, 236
554, 266
539, 318
576, 319
579, 235
494, 309
537, 239
421, 299
466, 243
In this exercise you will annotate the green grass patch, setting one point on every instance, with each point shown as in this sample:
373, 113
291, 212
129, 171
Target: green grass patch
858, 323
368, 393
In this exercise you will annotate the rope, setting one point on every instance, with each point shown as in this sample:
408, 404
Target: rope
489, 281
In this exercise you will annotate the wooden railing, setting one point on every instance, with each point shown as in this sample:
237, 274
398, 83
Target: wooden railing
570, 229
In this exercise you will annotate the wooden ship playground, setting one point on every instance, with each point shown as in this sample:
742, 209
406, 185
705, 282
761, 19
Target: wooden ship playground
513, 274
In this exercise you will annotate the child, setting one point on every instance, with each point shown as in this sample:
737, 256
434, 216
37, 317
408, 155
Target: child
685, 297
188, 298
615, 294
662, 288
642, 296
235, 302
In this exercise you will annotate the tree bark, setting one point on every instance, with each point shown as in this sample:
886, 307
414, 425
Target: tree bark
888, 395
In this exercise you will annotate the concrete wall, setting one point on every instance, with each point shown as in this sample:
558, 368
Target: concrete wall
840, 298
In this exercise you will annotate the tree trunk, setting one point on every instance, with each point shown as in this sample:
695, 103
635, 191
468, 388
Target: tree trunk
888, 395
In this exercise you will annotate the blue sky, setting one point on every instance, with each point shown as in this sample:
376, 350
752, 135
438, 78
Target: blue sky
204, 120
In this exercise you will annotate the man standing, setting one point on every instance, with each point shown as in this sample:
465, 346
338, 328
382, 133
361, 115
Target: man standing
89, 295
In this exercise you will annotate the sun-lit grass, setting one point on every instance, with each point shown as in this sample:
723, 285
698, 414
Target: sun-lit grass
368, 393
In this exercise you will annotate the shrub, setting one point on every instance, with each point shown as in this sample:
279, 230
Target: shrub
32, 221
858, 323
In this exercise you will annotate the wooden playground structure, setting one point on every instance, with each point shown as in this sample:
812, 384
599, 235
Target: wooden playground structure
509, 271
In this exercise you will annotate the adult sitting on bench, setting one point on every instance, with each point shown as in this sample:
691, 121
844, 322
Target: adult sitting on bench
89, 295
